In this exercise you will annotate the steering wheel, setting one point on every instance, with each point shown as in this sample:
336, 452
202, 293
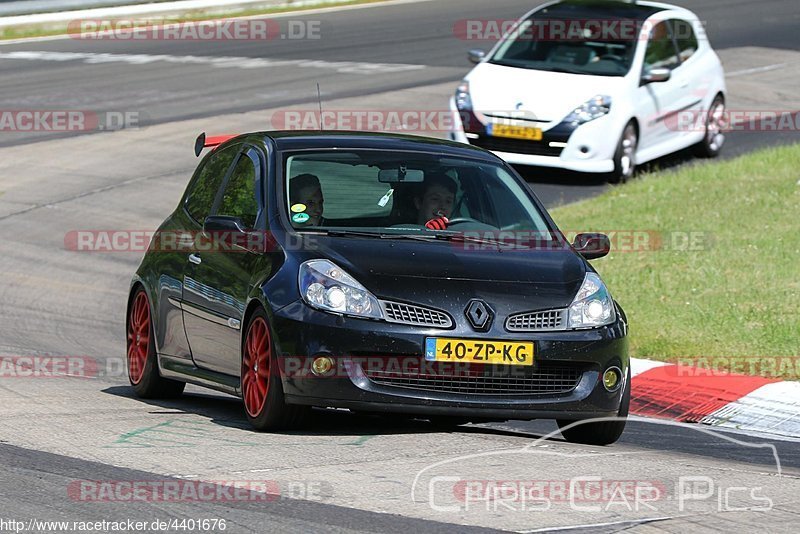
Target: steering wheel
460, 220
613, 57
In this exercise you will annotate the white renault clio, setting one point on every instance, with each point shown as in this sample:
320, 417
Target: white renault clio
595, 86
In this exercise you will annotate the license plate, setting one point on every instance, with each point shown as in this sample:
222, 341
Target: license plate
516, 132
438, 349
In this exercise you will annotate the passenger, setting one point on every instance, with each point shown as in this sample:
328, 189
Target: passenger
305, 189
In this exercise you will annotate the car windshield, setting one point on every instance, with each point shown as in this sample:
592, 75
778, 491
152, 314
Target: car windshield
407, 194
593, 47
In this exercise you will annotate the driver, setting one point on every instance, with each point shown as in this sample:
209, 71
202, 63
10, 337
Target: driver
435, 202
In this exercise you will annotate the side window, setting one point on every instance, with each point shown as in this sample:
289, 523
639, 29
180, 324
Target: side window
203, 191
239, 198
660, 52
685, 37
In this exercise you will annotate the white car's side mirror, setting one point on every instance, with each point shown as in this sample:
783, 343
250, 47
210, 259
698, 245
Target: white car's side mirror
476, 55
656, 76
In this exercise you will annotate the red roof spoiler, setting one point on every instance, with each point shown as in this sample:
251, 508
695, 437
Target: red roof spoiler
209, 142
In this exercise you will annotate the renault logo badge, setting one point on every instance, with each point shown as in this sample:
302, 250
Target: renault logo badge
480, 315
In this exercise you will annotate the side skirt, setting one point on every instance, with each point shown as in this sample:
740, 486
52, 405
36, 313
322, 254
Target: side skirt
178, 369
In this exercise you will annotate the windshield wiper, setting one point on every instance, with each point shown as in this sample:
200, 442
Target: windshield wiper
438, 236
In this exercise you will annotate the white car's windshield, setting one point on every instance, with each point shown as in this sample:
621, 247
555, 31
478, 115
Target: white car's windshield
401, 192
576, 47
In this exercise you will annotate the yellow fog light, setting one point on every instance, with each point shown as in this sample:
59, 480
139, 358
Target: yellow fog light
611, 378
322, 365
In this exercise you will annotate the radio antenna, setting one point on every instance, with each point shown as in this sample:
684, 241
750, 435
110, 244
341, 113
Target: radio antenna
319, 99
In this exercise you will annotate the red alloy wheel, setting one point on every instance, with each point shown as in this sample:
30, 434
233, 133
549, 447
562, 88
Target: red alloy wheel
256, 367
138, 337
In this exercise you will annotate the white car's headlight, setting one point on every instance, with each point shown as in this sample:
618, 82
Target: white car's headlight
325, 286
590, 110
592, 305
463, 99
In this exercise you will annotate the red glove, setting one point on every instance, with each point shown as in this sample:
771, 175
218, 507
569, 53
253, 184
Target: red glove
440, 223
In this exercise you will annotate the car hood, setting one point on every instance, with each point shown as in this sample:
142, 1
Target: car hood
441, 272
548, 96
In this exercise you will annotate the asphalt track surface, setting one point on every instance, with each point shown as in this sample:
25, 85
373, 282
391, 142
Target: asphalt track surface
56, 431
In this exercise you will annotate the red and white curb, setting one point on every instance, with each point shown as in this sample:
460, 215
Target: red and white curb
687, 394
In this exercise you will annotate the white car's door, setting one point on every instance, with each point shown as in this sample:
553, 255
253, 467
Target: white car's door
691, 78
657, 101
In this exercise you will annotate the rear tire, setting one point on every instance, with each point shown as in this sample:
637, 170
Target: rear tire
262, 390
600, 433
625, 156
143, 372
714, 139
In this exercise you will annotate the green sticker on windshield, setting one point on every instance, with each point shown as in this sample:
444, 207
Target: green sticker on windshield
300, 217
299, 208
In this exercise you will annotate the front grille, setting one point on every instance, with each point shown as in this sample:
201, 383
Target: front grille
516, 146
397, 312
537, 321
542, 379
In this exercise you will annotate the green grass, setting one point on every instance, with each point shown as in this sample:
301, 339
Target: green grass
51, 29
739, 295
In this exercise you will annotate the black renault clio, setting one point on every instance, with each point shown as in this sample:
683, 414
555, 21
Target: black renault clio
379, 273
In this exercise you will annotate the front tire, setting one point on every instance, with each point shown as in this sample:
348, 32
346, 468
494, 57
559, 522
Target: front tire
602, 432
262, 390
711, 145
625, 156
143, 372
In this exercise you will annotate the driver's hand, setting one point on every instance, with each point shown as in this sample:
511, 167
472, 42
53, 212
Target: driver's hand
439, 223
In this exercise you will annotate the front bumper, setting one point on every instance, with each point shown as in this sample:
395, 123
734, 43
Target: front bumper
588, 148
301, 333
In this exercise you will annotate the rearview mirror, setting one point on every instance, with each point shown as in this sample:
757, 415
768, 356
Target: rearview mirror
476, 55
656, 76
393, 176
592, 245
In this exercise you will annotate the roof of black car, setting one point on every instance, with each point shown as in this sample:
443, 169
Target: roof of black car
305, 139
588, 9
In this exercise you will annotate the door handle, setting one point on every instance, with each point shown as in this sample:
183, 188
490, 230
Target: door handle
684, 84
194, 258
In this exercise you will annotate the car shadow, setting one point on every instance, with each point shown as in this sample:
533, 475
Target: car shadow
228, 412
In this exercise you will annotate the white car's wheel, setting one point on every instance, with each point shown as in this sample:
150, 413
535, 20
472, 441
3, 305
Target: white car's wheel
714, 138
625, 156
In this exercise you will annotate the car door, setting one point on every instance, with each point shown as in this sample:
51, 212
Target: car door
657, 101
690, 76
221, 273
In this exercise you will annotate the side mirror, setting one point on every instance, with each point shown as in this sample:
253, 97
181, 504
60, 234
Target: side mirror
219, 223
230, 233
656, 76
592, 246
476, 55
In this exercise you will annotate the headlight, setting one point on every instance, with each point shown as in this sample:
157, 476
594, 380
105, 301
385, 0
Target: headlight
463, 100
325, 286
592, 305
591, 110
